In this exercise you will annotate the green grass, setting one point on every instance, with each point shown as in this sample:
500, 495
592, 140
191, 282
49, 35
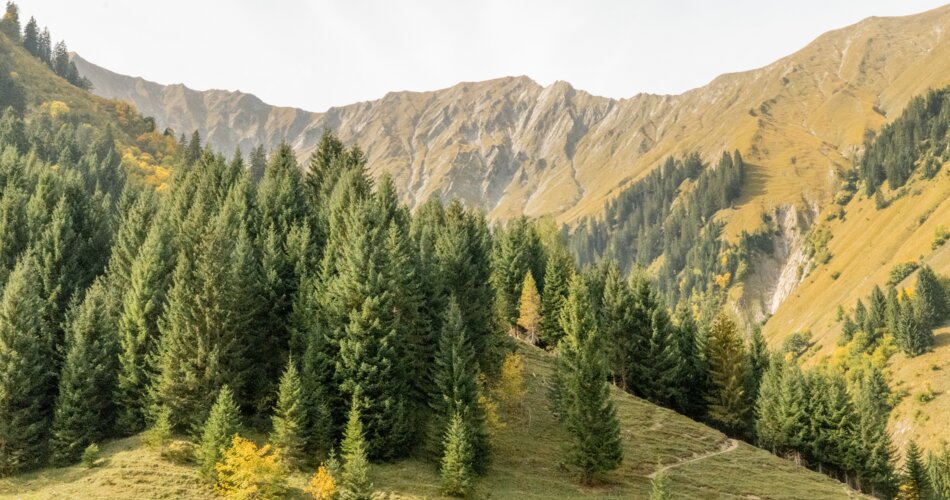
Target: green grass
528, 462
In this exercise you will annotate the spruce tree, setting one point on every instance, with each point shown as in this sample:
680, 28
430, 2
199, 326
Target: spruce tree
221, 426
354, 476
758, 363
84, 408
557, 272
931, 297
456, 388
616, 319
589, 412
138, 329
511, 258
290, 418
25, 372
31, 37
529, 307
915, 483
211, 306
872, 452
938, 470
457, 459
694, 373
463, 249
728, 405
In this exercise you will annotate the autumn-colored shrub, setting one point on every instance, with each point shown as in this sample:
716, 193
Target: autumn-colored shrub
247, 471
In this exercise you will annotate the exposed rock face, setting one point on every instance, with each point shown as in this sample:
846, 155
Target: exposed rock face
512, 146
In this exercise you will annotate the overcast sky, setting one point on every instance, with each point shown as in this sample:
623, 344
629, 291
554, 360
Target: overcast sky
317, 54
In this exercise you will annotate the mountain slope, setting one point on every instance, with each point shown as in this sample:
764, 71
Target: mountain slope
512, 146
702, 462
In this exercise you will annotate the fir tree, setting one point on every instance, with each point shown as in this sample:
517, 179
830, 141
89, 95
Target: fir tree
758, 363
557, 272
25, 372
728, 404
694, 373
463, 249
529, 307
915, 483
290, 418
84, 407
872, 453
138, 328
221, 426
589, 412
513, 253
457, 459
616, 321
31, 37
931, 297
456, 388
938, 470
354, 476
211, 306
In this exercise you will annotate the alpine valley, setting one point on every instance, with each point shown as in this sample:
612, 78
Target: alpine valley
498, 289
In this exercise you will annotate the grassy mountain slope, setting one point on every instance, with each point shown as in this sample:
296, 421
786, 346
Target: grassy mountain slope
865, 246
527, 454
512, 146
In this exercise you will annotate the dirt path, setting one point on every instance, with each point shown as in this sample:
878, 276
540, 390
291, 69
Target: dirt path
726, 446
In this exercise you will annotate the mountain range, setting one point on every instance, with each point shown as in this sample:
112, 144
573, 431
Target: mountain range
512, 146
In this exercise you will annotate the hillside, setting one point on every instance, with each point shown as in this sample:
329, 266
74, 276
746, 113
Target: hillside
702, 462
512, 146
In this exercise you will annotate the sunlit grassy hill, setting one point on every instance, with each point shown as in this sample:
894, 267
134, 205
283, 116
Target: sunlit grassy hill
528, 455
865, 246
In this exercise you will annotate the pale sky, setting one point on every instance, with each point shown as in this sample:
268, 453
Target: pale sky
318, 54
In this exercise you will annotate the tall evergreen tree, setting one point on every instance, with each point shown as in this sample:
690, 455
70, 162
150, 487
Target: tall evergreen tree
758, 363
915, 483
463, 249
557, 273
31, 37
872, 454
211, 306
290, 418
514, 253
221, 426
931, 297
138, 328
617, 323
84, 408
25, 372
728, 405
456, 388
589, 412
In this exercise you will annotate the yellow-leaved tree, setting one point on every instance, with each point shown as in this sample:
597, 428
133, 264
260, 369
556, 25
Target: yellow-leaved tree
246, 471
529, 309
322, 486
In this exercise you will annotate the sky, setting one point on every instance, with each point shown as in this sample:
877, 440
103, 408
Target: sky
318, 54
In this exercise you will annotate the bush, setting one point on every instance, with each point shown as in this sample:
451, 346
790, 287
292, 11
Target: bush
941, 235
90, 455
322, 486
246, 471
179, 452
797, 343
901, 271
